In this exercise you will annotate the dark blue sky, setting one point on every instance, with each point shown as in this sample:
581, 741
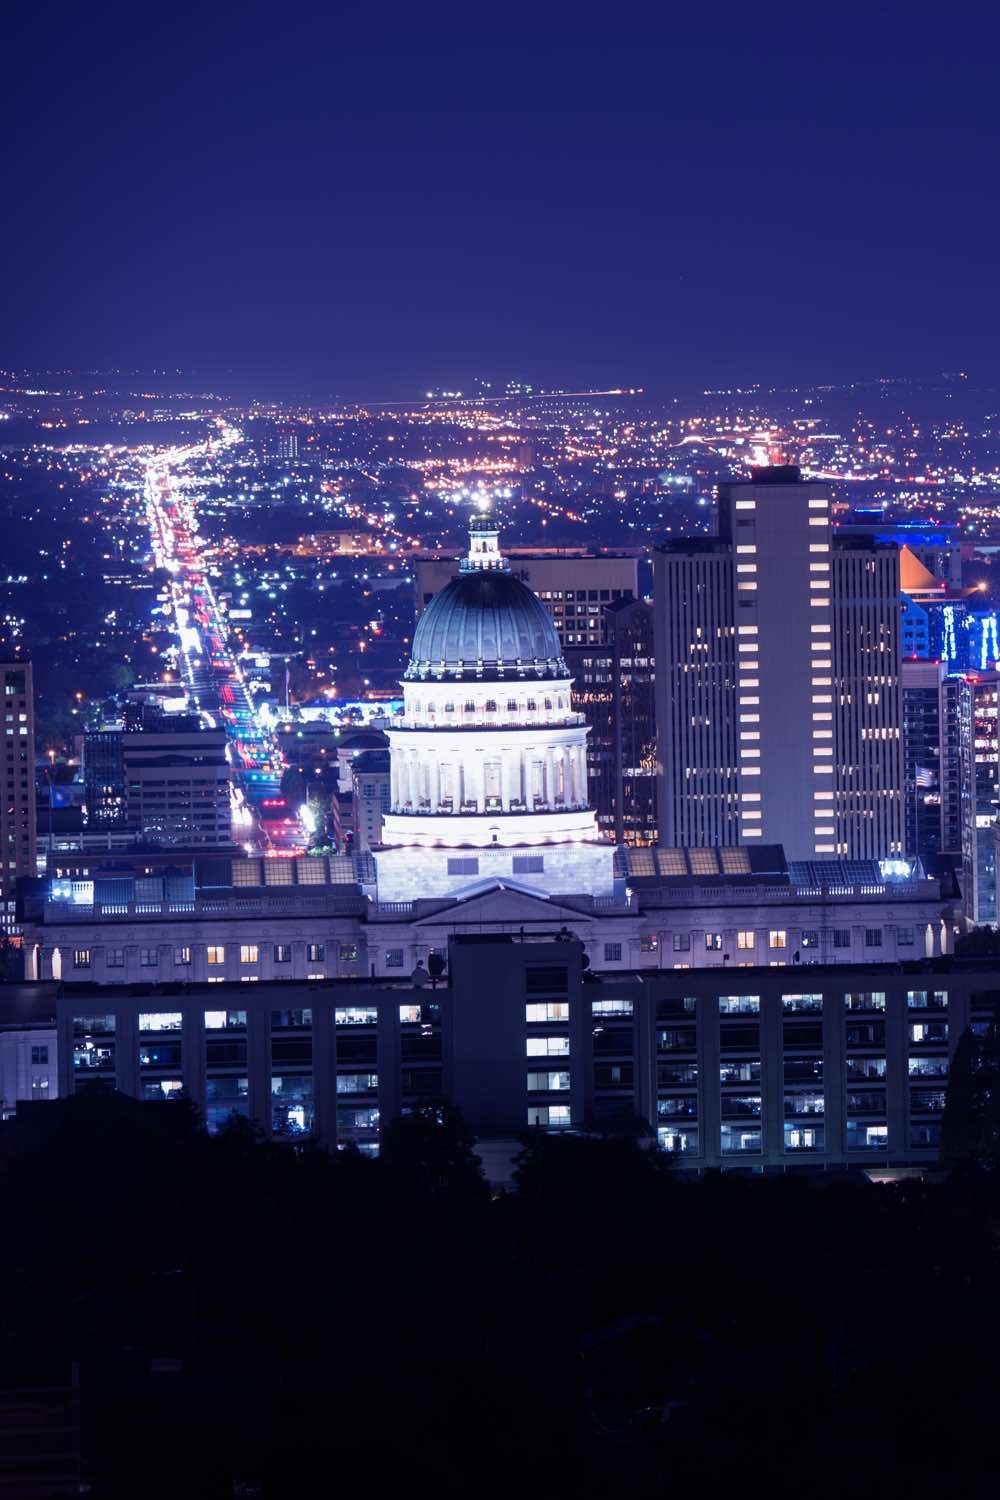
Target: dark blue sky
373, 199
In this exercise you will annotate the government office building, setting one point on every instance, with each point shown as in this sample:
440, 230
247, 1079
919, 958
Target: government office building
764, 1068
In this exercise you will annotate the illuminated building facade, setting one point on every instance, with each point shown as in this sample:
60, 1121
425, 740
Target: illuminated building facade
778, 696
488, 761
574, 587
762, 1067
979, 768
17, 770
613, 687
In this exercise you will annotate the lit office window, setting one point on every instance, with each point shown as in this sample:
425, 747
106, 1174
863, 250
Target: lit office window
548, 1083
739, 1005
546, 1010
160, 1020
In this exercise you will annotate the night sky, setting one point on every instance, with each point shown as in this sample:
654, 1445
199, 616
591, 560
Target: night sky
377, 199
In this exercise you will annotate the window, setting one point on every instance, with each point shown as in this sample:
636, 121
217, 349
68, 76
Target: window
927, 1000
225, 1020
868, 1000
114, 958
648, 942
548, 1046
546, 1010
739, 1005
249, 953
713, 942
355, 1015
216, 955
224, 1098
904, 937
357, 1083
94, 1025
554, 1116
735, 1139
800, 1137
394, 958
81, 958
528, 864
745, 940
873, 937
670, 1138
149, 958
282, 953
797, 1004
315, 953
549, 979
182, 955
675, 1039
611, 1008
865, 1067
349, 953
672, 1006
864, 1137
463, 867
292, 1105
928, 1066
841, 937
682, 942
160, 1020
547, 1083
778, 938
929, 1031
810, 937
291, 1020
39, 1055
612, 953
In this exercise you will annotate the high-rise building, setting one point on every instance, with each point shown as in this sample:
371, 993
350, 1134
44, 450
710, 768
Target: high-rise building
17, 767
979, 767
177, 782
922, 724
104, 779
778, 699
575, 588
613, 687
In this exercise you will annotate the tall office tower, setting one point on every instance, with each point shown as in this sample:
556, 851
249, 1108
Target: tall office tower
777, 689
17, 767
951, 764
922, 722
104, 779
574, 587
978, 751
613, 688
177, 782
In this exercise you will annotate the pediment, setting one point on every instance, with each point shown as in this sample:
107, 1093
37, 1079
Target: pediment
502, 901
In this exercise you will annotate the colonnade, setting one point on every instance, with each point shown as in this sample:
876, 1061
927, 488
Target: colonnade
547, 776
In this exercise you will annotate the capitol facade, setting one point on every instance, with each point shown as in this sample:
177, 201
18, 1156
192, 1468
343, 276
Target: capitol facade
489, 760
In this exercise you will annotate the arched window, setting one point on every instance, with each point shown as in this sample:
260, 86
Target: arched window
512, 705
470, 707
491, 707
531, 705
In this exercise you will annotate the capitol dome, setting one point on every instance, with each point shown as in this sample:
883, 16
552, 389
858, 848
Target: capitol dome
485, 624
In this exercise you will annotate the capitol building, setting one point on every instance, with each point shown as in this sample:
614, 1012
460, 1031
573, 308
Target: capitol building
489, 761
726, 996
